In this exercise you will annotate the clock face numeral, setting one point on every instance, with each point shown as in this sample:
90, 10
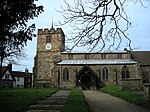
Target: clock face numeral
48, 46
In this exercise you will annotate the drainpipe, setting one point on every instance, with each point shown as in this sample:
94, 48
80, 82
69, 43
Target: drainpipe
2, 56
60, 74
116, 77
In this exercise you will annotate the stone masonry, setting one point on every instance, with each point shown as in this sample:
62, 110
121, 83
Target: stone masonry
55, 67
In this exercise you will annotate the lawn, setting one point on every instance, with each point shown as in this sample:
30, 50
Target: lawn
75, 102
16, 100
130, 96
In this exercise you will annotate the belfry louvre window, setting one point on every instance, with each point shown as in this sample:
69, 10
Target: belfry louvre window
105, 73
86, 56
70, 56
48, 39
103, 56
65, 74
119, 56
125, 72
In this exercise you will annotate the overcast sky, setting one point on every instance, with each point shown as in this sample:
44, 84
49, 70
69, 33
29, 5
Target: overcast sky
139, 34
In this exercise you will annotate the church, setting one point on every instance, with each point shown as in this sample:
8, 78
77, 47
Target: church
54, 67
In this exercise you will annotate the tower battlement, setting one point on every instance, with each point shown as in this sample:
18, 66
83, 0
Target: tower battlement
50, 31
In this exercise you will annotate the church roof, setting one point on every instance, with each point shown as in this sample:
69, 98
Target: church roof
97, 62
21, 74
143, 57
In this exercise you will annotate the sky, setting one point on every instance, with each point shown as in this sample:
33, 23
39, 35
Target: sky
139, 33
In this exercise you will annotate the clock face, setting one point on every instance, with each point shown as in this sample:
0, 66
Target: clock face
48, 46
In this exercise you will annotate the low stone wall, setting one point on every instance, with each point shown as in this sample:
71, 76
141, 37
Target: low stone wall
131, 84
6, 83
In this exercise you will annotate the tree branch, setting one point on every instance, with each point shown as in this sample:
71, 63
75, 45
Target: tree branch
95, 22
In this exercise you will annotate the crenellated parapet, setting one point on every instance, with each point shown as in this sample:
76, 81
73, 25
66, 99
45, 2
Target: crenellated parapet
50, 31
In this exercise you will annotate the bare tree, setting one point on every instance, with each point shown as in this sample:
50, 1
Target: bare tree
14, 57
98, 23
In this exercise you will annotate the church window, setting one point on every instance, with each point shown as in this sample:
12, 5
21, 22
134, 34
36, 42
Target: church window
103, 56
105, 73
119, 56
70, 56
125, 72
65, 74
7, 76
48, 39
18, 78
29, 80
86, 56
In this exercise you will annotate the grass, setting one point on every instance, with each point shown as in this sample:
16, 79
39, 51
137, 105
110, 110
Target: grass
127, 95
16, 100
75, 102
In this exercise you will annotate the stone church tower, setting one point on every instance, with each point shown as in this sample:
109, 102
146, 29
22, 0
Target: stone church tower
49, 45
56, 67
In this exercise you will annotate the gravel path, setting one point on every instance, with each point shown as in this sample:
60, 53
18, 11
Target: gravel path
101, 102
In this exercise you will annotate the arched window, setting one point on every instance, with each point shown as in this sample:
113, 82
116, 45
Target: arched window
65, 74
125, 72
105, 73
48, 38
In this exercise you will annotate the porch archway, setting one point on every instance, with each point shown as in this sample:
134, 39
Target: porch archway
86, 78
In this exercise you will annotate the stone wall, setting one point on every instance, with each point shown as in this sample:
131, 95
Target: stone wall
114, 73
145, 73
132, 84
47, 72
81, 56
45, 60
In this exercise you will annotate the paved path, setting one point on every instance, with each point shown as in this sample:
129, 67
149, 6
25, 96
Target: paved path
101, 102
51, 104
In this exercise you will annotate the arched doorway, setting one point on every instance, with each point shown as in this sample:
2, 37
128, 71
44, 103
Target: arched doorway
86, 79
86, 82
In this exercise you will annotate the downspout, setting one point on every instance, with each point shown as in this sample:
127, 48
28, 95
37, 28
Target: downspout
60, 74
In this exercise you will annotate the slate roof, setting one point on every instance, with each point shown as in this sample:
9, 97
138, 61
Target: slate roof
143, 57
97, 62
21, 74
4, 69
15, 73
